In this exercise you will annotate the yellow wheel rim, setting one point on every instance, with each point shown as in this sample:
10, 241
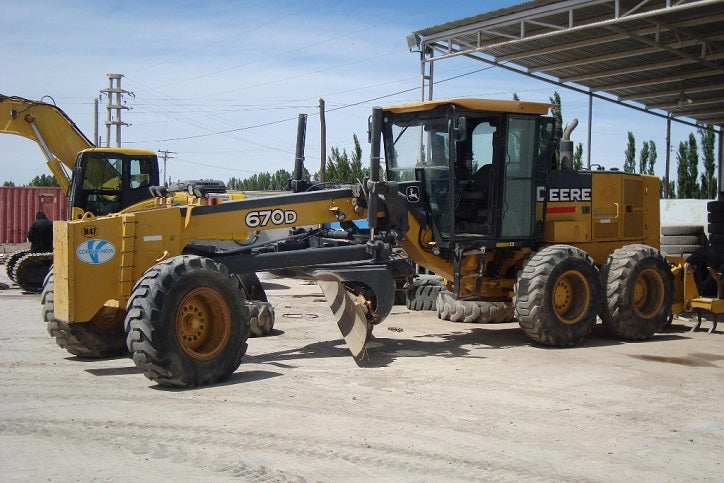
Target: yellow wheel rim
647, 295
203, 323
571, 297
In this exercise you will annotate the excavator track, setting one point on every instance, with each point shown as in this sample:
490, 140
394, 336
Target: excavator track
12, 261
30, 270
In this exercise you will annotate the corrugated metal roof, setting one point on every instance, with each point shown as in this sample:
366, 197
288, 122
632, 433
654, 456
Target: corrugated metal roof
658, 55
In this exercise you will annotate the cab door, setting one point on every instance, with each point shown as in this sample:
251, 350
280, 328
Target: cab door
528, 153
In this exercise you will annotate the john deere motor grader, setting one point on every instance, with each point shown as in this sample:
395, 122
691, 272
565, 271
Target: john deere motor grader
473, 192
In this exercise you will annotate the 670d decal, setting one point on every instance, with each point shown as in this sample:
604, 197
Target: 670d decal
255, 219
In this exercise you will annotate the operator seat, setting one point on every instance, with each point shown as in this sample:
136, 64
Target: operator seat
472, 211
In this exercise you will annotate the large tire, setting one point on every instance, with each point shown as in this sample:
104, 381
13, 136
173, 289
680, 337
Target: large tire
715, 217
12, 260
556, 296
423, 295
715, 206
680, 250
681, 240
639, 290
470, 311
95, 339
187, 322
261, 312
682, 230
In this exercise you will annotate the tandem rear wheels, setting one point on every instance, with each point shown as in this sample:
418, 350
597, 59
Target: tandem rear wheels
559, 292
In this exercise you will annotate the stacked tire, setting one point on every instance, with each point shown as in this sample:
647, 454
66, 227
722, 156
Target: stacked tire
683, 240
471, 311
423, 294
715, 217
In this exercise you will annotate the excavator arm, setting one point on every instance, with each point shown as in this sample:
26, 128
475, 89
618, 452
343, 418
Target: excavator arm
59, 138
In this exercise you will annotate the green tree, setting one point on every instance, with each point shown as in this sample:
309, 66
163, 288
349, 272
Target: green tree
629, 164
708, 177
682, 171
279, 181
8, 183
688, 169
557, 109
345, 168
644, 158
652, 157
693, 165
578, 157
44, 180
672, 189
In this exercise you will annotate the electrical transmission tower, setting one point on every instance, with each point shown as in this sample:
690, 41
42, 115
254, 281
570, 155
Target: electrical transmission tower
115, 103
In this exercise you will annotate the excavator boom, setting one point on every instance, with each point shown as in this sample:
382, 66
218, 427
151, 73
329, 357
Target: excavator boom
56, 134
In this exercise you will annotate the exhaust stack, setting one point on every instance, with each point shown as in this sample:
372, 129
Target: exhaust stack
566, 146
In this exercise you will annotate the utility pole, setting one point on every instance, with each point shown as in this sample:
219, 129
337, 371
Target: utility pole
165, 155
323, 142
115, 105
95, 122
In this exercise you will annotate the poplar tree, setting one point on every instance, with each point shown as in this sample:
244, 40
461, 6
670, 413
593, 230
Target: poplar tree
629, 164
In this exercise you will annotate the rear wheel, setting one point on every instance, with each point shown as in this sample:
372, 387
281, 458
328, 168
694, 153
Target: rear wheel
101, 337
187, 322
556, 296
638, 292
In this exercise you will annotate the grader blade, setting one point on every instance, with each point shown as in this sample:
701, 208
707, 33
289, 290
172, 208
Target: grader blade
350, 317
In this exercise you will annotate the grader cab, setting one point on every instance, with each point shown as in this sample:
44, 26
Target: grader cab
473, 191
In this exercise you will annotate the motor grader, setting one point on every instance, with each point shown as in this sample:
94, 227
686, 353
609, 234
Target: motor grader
473, 190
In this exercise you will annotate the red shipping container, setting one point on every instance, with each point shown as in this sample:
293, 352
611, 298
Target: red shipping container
19, 204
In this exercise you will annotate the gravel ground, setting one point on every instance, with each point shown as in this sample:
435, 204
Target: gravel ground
433, 401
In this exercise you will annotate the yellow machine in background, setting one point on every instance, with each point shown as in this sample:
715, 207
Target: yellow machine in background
473, 191
95, 180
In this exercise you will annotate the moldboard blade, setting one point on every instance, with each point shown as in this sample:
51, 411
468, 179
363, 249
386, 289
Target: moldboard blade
350, 318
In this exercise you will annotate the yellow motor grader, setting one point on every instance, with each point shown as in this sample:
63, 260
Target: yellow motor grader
476, 191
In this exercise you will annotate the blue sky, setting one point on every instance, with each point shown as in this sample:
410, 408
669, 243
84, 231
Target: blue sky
221, 83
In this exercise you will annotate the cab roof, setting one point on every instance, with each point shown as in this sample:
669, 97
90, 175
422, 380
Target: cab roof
474, 104
126, 151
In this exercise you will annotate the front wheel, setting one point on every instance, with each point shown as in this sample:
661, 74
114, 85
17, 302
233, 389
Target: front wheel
187, 322
556, 296
639, 289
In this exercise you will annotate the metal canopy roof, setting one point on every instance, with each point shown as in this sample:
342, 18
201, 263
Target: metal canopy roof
661, 56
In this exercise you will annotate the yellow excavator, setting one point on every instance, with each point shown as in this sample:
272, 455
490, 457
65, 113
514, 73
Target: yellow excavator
480, 192
97, 180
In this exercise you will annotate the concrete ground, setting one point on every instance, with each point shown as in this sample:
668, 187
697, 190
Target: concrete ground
433, 401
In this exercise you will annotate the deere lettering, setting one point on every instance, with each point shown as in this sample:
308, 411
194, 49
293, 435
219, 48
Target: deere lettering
564, 194
95, 252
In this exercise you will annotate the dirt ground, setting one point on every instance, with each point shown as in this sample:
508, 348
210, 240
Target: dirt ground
433, 401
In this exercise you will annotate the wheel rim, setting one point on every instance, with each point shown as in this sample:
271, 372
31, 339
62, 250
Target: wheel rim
203, 323
648, 293
571, 296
